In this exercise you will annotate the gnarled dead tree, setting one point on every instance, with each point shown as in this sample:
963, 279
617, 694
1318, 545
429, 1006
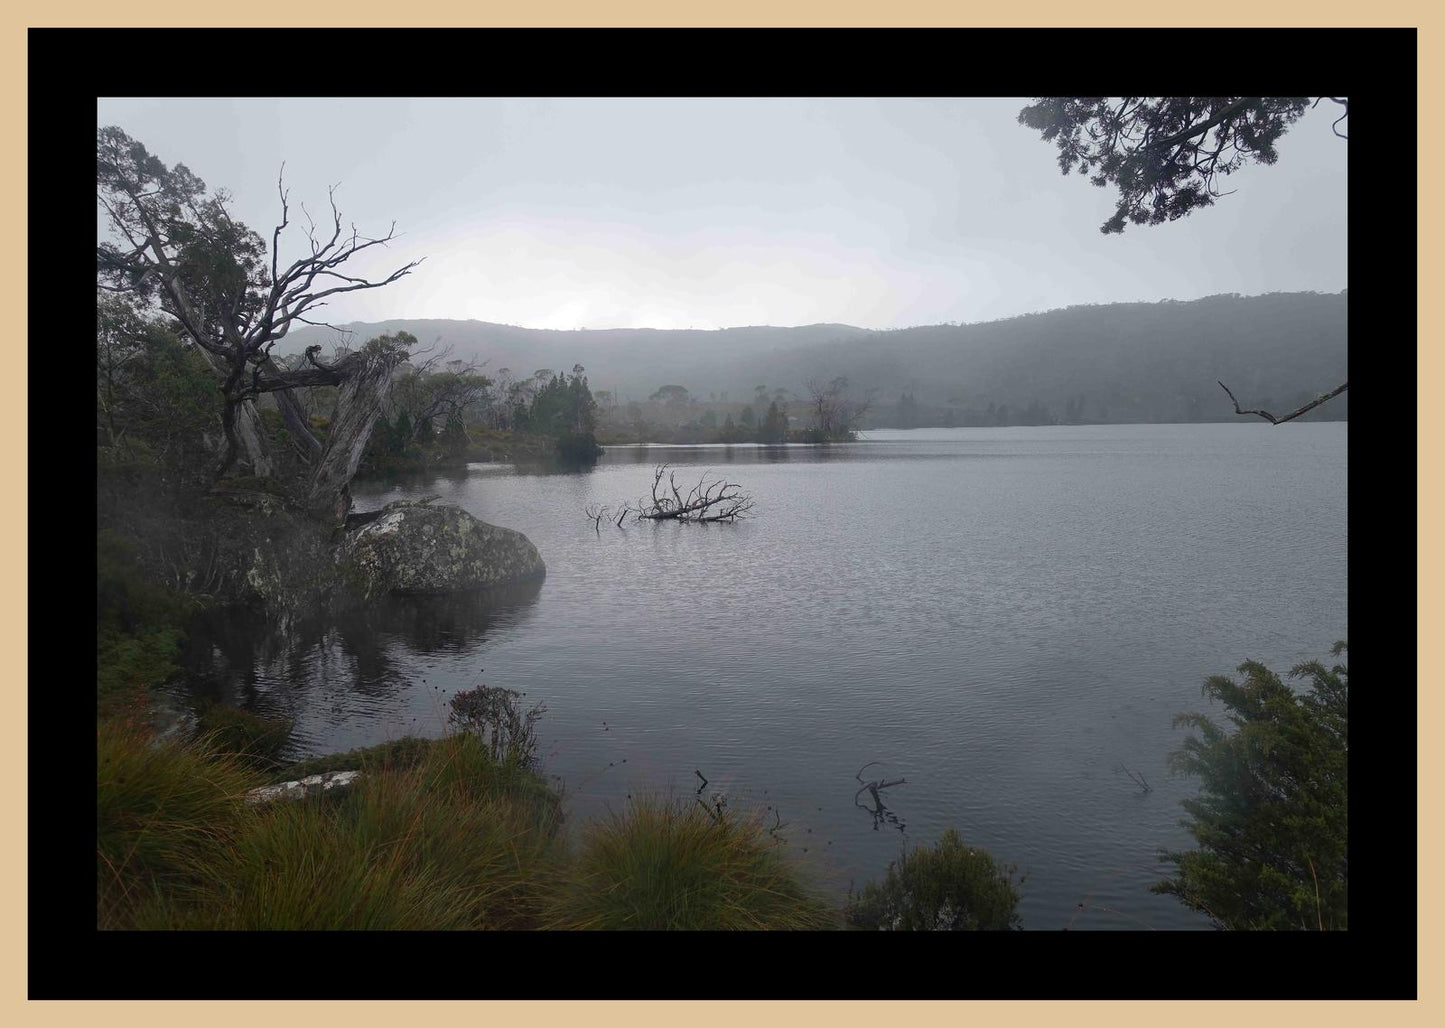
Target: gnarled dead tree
177, 247
709, 501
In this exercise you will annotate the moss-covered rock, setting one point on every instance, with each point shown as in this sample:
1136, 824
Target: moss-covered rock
261, 550
421, 548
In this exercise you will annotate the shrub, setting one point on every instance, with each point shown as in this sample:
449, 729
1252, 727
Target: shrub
662, 865
494, 716
950, 887
1272, 815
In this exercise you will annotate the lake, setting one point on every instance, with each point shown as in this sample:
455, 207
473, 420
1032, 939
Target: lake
1006, 618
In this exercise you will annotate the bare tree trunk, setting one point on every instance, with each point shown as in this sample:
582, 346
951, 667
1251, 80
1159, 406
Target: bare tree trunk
297, 423
363, 394
253, 442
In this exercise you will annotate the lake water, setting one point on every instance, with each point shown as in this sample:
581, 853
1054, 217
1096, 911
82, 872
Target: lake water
1002, 617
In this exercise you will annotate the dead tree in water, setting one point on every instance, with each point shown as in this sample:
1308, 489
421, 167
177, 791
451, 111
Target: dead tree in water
718, 500
708, 501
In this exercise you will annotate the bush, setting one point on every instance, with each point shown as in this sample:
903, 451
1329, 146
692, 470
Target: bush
665, 866
494, 717
1272, 816
951, 887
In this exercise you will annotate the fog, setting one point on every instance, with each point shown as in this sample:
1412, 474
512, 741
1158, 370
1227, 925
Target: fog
713, 213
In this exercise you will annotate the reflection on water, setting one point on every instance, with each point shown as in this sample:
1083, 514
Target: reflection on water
1002, 617
349, 679
873, 803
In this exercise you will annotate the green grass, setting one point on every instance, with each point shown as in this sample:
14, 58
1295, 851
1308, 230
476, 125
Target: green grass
162, 813
395, 755
253, 740
666, 865
455, 840
437, 834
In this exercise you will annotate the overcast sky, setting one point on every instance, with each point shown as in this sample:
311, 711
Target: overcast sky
715, 213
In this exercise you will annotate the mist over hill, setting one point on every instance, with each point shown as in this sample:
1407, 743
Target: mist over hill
1102, 363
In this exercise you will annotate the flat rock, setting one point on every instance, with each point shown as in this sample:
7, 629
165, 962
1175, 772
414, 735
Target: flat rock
311, 785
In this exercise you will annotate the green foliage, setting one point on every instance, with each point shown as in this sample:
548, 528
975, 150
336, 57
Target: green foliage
401, 433
139, 627
1272, 815
775, 426
250, 739
564, 405
578, 449
1143, 145
454, 436
663, 865
156, 396
950, 887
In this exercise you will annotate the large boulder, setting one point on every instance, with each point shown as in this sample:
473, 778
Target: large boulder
420, 548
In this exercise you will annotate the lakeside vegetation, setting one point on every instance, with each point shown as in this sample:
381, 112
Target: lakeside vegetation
462, 832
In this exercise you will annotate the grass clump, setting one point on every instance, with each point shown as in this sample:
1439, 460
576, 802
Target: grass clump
454, 840
253, 740
163, 814
393, 755
664, 865
949, 887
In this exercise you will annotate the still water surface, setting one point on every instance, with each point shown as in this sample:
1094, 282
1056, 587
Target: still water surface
1004, 617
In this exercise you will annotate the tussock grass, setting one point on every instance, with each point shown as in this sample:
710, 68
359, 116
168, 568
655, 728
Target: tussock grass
395, 755
438, 834
251, 739
456, 840
665, 865
162, 813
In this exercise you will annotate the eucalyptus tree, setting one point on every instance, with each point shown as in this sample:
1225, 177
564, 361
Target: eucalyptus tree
176, 246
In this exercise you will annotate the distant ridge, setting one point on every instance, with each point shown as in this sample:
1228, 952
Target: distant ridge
1120, 362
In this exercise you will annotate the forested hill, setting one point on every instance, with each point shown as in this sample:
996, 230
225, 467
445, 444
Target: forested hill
1110, 362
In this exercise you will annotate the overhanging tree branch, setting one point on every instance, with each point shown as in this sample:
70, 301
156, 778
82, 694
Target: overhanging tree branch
1292, 414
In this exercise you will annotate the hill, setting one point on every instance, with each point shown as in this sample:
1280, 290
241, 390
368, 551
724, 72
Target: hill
1108, 362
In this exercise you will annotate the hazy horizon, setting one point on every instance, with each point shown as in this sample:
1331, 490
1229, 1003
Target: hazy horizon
831, 322
594, 213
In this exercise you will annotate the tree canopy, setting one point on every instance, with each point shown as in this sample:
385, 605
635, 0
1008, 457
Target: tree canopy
175, 245
1165, 154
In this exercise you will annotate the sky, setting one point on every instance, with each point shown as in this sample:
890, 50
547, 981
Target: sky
713, 213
